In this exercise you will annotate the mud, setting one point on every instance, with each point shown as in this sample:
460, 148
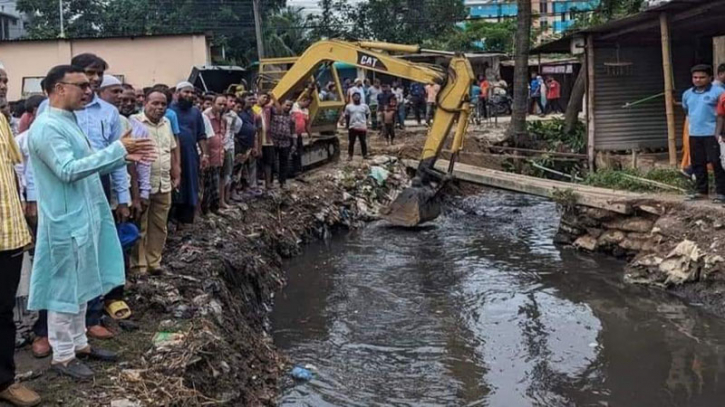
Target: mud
202, 332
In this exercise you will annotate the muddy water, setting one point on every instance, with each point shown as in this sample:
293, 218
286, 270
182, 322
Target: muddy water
481, 309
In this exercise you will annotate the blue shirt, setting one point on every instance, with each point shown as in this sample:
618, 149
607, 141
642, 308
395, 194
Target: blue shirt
251, 124
174, 120
100, 122
417, 90
700, 108
475, 92
535, 87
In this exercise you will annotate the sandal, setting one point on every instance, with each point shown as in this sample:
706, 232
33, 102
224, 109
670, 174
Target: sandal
118, 310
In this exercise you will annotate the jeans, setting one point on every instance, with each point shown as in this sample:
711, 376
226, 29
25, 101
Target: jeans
67, 334
11, 263
703, 151
536, 101
352, 135
553, 106
401, 114
374, 117
418, 108
297, 157
430, 112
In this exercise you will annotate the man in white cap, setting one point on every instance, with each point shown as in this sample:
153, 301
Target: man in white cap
191, 133
111, 90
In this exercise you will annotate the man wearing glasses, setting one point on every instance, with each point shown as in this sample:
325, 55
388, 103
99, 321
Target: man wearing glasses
78, 256
101, 123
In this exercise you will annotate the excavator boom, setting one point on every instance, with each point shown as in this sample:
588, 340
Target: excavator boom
416, 204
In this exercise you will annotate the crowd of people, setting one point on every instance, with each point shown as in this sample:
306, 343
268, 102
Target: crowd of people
91, 174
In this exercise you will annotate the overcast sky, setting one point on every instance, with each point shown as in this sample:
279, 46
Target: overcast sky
311, 5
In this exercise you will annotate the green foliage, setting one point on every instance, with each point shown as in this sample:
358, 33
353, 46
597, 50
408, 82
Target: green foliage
565, 198
608, 10
552, 132
494, 36
398, 21
615, 179
231, 23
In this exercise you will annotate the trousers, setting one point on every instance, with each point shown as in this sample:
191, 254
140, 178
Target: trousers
11, 263
146, 254
67, 334
704, 151
352, 135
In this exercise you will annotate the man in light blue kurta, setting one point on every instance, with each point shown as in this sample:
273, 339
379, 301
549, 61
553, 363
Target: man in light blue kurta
78, 255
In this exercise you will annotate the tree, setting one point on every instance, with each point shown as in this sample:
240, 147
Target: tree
285, 33
479, 36
406, 21
229, 21
521, 69
44, 18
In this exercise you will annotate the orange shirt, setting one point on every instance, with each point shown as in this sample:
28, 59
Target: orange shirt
485, 87
721, 105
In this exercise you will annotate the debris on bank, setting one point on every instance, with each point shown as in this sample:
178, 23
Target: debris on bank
675, 246
203, 337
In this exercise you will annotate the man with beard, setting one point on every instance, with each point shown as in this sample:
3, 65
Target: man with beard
191, 134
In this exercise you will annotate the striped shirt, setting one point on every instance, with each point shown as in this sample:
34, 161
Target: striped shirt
14, 232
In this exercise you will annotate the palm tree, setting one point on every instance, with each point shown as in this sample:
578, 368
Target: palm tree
285, 33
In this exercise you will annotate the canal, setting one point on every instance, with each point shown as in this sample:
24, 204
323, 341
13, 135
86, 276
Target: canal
480, 308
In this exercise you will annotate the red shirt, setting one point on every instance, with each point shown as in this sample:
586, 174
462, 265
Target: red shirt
216, 143
721, 105
553, 90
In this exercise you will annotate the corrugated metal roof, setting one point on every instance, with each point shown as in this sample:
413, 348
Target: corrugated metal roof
641, 126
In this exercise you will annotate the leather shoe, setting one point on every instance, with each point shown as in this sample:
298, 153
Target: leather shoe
98, 354
20, 395
75, 369
41, 347
99, 332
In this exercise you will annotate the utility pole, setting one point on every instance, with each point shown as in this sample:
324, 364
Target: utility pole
521, 69
258, 28
62, 26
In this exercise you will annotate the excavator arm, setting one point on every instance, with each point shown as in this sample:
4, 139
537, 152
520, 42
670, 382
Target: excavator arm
414, 205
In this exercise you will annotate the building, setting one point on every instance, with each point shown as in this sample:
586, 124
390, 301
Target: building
637, 69
12, 22
140, 61
550, 16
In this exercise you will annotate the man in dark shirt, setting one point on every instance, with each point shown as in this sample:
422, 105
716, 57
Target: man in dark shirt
192, 133
247, 142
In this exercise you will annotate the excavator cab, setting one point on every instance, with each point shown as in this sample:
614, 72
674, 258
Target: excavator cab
327, 104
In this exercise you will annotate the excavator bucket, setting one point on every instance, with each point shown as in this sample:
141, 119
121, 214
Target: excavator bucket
413, 206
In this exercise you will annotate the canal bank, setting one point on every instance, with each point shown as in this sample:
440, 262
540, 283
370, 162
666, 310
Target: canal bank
200, 333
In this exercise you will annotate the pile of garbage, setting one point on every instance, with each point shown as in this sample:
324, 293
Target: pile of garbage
203, 336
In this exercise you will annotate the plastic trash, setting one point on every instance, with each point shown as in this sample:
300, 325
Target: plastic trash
300, 373
380, 174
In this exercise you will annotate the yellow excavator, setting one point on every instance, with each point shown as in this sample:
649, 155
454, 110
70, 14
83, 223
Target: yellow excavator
418, 203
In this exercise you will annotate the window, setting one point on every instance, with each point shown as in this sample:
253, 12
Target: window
543, 7
544, 25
